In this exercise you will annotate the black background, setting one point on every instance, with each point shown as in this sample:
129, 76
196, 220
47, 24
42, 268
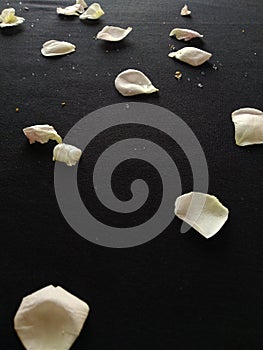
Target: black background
176, 291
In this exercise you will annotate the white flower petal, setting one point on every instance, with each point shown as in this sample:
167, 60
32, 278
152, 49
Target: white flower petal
185, 11
41, 133
9, 19
201, 211
57, 48
185, 34
191, 55
94, 11
67, 154
82, 3
73, 10
133, 82
248, 126
111, 33
50, 318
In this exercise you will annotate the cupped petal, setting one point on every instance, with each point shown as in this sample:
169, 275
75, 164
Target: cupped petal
191, 55
67, 154
133, 82
94, 11
248, 124
110, 33
50, 318
9, 19
57, 48
41, 133
185, 34
201, 211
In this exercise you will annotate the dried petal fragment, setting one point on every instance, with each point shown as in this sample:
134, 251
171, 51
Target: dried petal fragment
82, 3
133, 82
111, 33
9, 19
191, 55
248, 126
185, 34
67, 154
41, 133
50, 318
57, 48
73, 10
201, 211
185, 11
94, 11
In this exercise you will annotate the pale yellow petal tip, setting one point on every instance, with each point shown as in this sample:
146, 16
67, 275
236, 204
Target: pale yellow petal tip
50, 318
248, 124
9, 19
93, 12
204, 212
133, 82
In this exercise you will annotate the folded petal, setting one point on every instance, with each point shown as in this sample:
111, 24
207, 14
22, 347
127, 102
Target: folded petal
191, 55
201, 211
94, 11
185, 34
133, 82
110, 33
248, 126
57, 48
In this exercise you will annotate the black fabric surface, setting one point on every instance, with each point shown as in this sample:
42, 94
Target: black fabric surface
178, 291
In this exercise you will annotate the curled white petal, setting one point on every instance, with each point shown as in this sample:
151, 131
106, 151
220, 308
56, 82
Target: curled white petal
50, 318
67, 154
185, 11
248, 126
57, 48
191, 55
73, 10
41, 133
111, 33
185, 34
133, 82
9, 19
201, 211
94, 11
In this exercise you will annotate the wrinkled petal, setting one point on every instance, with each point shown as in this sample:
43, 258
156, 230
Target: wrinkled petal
185, 34
111, 33
248, 126
94, 11
50, 318
185, 11
191, 55
73, 10
57, 48
133, 82
9, 19
41, 133
201, 211
67, 154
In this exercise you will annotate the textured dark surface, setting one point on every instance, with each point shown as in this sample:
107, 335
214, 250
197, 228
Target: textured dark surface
176, 291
